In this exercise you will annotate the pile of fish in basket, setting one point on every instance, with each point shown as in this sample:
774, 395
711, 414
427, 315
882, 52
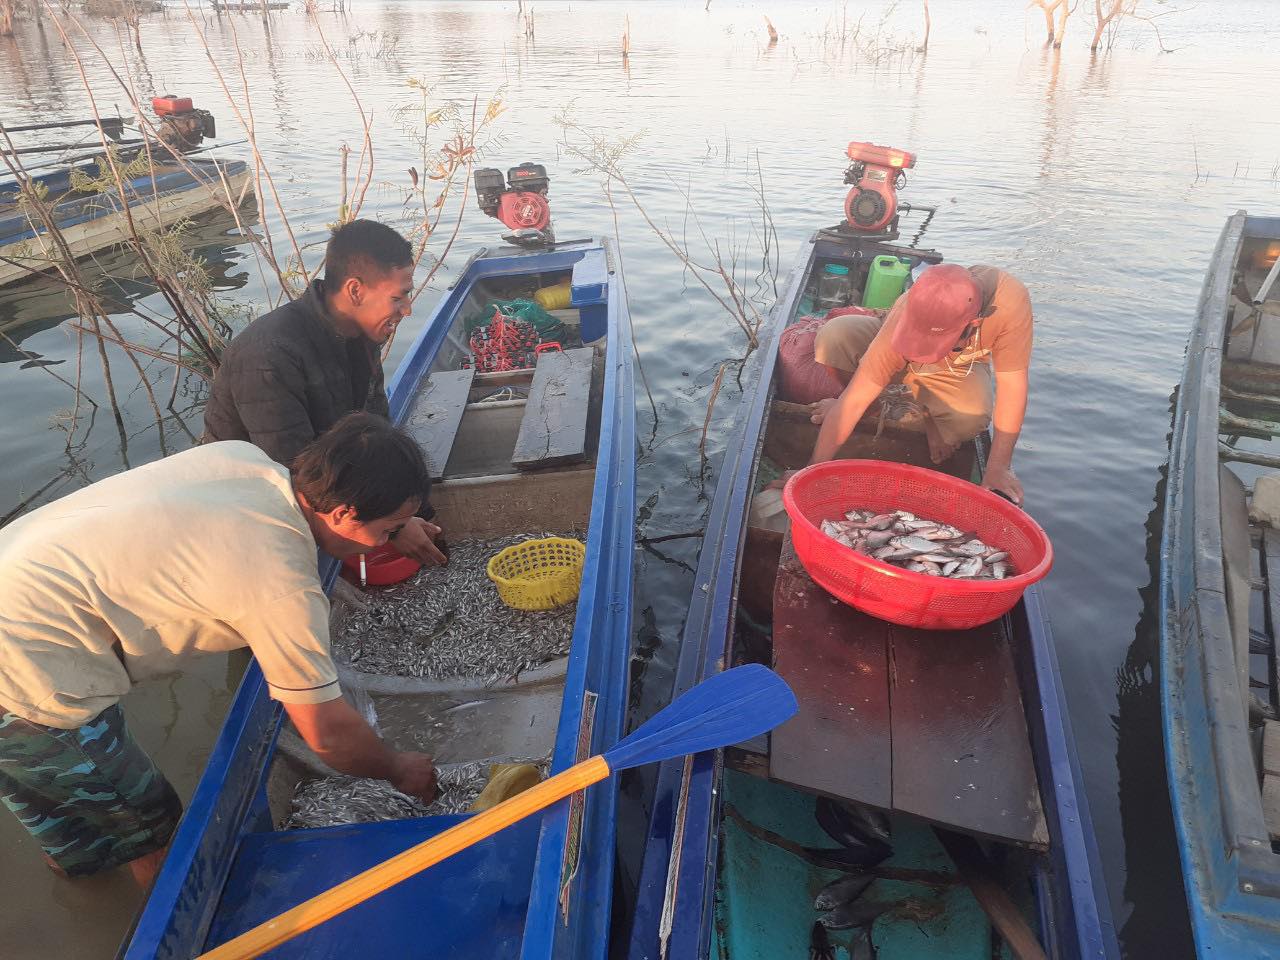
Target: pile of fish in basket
919, 545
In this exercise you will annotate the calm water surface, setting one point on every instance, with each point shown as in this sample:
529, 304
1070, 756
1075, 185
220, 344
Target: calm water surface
1101, 182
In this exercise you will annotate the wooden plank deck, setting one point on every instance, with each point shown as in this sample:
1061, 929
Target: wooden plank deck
836, 660
554, 429
436, 413
927, 723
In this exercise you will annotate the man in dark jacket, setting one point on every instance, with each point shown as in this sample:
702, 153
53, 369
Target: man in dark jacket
294, 372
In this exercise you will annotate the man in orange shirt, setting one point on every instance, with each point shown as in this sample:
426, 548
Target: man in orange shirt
941, 339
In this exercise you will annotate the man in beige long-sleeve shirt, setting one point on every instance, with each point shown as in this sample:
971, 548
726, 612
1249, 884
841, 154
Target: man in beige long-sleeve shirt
202, 552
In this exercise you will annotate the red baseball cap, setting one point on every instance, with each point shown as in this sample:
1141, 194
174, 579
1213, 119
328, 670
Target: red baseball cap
939, 306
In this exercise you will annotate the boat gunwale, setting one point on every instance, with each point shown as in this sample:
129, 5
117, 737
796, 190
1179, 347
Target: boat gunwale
1085, 897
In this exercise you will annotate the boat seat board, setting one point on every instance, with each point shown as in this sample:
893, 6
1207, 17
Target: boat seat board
961, 748
929, 723
765, 903
836, 660
436, 413
471, 905
554, 427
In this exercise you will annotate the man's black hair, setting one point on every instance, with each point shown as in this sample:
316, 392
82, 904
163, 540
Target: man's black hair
366, 249
363, 462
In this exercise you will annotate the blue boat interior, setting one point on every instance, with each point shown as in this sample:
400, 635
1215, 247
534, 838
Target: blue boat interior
545, 446
956, 742
1220, 600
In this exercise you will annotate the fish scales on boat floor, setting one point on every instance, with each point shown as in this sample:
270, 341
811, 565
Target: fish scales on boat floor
331, 801
449, 623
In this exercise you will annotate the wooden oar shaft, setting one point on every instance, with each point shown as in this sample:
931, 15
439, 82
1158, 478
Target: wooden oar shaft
362, 886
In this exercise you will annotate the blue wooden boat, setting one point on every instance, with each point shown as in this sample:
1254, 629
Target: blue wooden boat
90, 221
960, 738
1220, 602
542, 888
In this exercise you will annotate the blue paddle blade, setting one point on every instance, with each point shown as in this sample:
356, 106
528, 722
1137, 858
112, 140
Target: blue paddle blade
728, 708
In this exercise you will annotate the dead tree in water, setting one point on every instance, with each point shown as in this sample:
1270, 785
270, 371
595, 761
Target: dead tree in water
773, 34
924, 44
1108, 21
1103, 19
7, 9
1054, 33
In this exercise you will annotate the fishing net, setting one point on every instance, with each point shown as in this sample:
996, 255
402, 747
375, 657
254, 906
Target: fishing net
527, 311
503, 344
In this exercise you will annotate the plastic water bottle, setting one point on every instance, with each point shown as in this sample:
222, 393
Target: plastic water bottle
834, 286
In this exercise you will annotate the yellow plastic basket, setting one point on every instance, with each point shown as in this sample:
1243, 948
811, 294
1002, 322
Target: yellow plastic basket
538, 574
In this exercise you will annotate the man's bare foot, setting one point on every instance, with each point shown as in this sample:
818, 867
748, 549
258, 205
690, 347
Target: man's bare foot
939, 449
145, 868
821, 409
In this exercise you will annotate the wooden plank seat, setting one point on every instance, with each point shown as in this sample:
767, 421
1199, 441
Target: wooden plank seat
928, 723
436, 413
553, 429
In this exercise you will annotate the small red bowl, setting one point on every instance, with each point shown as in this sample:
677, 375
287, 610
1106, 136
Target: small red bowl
383, 567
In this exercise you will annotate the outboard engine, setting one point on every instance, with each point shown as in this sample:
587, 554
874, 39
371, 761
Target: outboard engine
182, 127
877, 174
519, 201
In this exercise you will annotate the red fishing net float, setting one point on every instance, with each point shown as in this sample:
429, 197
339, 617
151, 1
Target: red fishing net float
504, 344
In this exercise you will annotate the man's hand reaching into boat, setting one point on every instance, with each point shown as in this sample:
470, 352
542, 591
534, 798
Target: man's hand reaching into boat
417, 539
342, 739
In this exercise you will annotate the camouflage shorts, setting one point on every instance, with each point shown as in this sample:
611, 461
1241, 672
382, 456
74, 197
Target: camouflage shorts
91, 797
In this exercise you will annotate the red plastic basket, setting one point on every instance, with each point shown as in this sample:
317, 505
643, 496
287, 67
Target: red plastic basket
826, 491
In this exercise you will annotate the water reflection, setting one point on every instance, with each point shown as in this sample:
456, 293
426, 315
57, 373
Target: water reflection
1158, 923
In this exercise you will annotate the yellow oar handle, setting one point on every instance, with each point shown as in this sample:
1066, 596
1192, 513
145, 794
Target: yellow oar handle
373, 881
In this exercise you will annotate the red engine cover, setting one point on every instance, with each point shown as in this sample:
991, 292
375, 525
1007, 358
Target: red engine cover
521, 211
168, 105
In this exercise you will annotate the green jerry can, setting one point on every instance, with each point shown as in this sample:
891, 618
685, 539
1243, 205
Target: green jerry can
886, 280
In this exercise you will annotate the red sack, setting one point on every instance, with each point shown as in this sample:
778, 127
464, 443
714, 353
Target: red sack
803, 379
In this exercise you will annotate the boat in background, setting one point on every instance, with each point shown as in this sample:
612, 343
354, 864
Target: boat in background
530, 449
161, 182
1220, 601
957, 742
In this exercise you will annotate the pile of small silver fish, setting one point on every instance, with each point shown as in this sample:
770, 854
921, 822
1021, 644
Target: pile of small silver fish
449, 623
923, 546
331, 801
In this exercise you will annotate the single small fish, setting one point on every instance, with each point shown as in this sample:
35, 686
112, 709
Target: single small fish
842, 890
996, 557
868, 823
878, 538
999, 570
858, 913
950, 568
972, 548
915, 544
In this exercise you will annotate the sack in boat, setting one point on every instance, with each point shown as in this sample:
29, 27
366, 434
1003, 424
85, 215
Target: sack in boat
803, 380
